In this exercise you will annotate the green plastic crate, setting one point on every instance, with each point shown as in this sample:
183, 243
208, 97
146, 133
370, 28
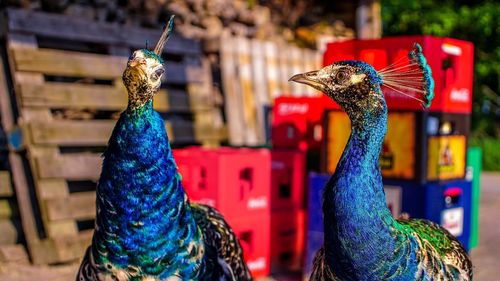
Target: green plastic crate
474, 158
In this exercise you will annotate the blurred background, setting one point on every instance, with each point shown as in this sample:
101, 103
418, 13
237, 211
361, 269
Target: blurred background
227, 99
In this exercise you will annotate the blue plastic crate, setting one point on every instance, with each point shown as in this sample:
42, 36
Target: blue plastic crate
440, 202
446, 203
313, 243
315, 201
449, 204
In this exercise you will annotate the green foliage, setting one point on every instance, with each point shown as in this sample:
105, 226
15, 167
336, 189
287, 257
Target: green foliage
491, 152
475, 21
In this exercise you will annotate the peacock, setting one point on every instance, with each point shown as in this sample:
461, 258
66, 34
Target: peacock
362, 239
146, 228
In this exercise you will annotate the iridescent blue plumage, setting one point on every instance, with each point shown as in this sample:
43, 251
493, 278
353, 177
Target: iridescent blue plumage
141, 205
362, 240
146, 229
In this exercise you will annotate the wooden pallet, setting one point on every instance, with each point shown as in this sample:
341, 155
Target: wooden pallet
66, 76
254, 73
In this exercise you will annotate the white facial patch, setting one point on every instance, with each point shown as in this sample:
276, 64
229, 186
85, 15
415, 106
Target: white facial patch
356, 78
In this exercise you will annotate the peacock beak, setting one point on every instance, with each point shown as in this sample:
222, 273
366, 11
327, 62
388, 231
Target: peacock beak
309, 78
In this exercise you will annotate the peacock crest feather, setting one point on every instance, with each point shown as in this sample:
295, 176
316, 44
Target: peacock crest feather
410, 76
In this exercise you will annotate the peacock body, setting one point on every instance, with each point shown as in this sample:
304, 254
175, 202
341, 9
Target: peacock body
362, 239
146, 228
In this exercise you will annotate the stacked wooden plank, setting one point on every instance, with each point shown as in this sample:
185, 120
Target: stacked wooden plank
11, 249
254, 73
67, 94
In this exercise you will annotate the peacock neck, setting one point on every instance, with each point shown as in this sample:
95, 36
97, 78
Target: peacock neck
143, 216
357, 221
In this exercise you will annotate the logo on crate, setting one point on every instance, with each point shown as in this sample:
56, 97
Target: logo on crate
257, 264
446, 159
460, 95
453, 220
394, 199
257, 203
292, 108
451, 49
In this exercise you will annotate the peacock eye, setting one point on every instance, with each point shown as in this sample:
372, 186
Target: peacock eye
158, 73
341, 76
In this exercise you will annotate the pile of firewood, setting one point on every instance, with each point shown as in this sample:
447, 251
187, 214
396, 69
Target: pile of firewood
281, 20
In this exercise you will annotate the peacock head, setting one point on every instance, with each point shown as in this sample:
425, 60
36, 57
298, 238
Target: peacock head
142, 76
354, 85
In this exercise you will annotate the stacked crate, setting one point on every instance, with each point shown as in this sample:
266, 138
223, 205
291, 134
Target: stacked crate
287, 209
297, 127
261, 195
297, 123
237, 183
314, 229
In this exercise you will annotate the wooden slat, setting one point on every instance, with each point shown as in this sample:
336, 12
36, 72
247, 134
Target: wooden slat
75, 166
246, 90
74, 28
284, 58
272, 70
8, 209
78, 64
25, 207
76, 206
310, 65
5, 184
101, 97
57, 62
5, 102
204, 129
74, 133
9, 231
295, 67
233, 101
199, 98
52, 188
66, 95
259, 87
61, 249
61, 228
71, 248
13, 253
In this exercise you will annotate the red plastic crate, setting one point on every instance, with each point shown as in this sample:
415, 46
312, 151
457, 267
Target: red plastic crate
288, 176
235, 181
297, 122
451, 61
254, 234
287, 240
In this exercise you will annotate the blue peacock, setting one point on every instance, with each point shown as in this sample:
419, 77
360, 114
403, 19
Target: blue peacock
362, 240
146, 228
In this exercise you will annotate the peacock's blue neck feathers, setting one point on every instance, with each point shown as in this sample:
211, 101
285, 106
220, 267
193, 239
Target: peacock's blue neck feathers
358, 226
143, 219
